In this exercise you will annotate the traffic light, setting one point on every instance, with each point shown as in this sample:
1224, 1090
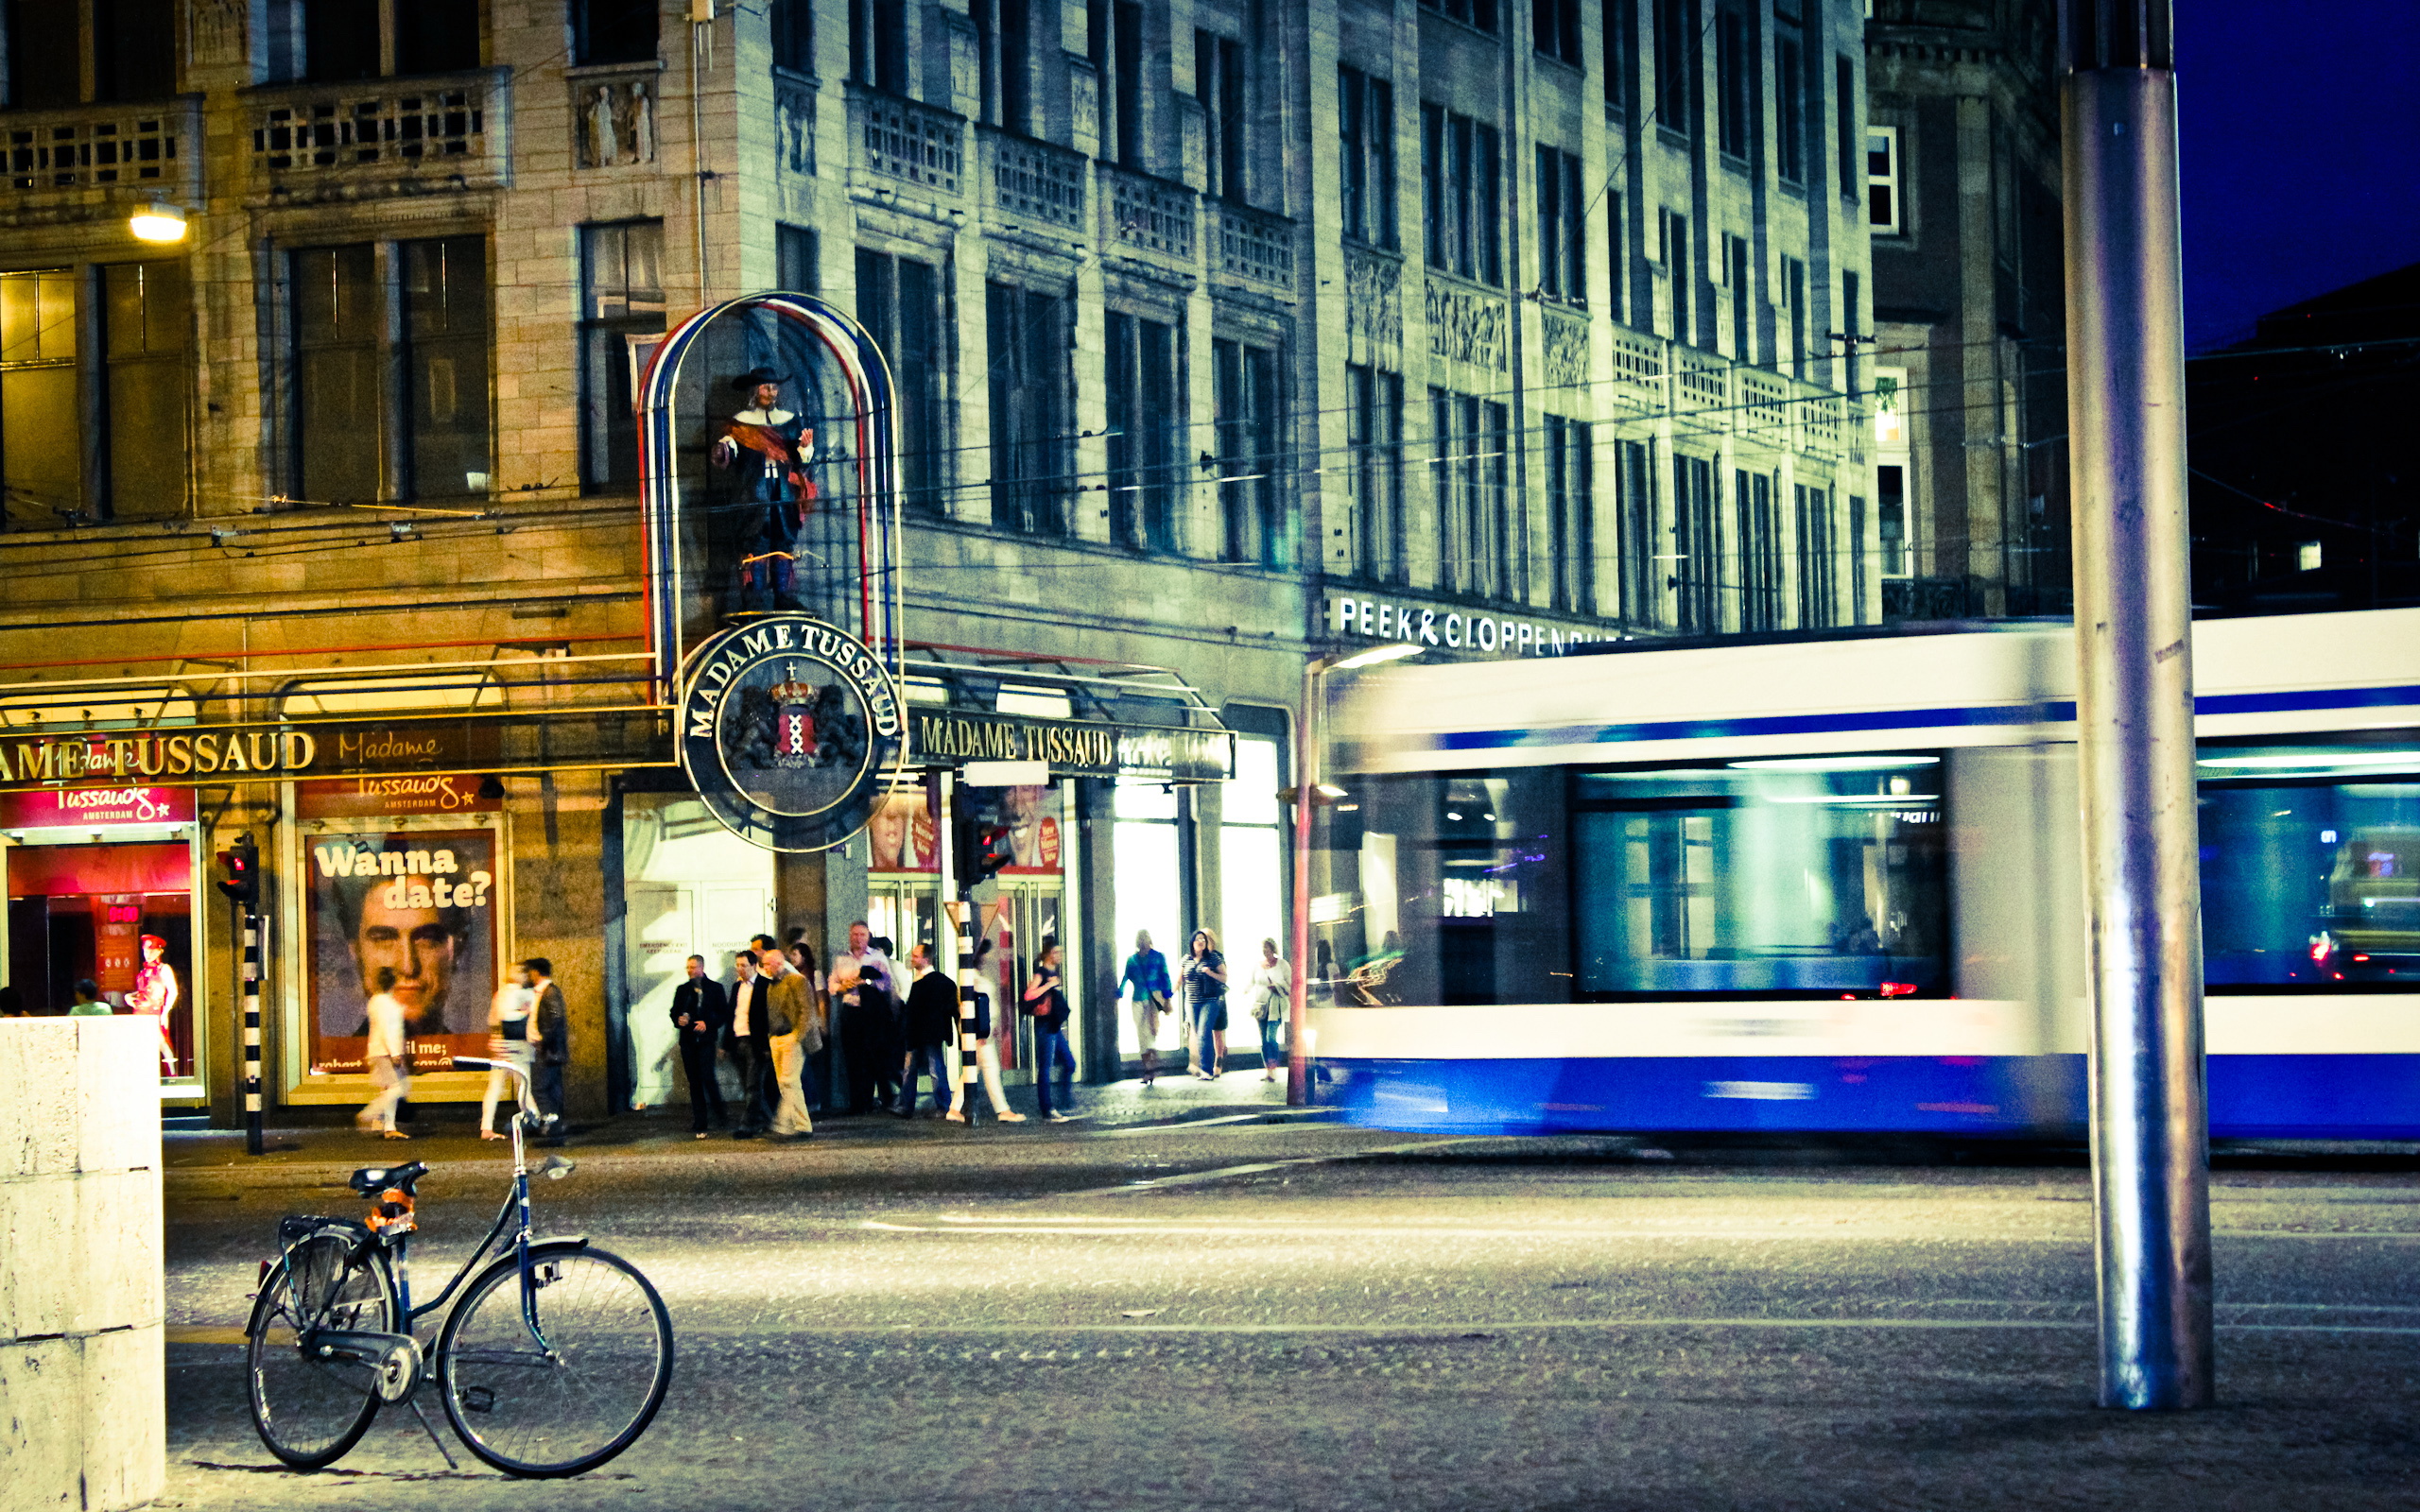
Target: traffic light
242, 863
980, 849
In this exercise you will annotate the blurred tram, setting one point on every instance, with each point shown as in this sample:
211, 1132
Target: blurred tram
1833, 885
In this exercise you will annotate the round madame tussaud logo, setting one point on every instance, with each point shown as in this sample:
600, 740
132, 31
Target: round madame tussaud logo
790, 730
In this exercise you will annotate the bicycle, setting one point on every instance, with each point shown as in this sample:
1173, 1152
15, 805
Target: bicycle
553, 1361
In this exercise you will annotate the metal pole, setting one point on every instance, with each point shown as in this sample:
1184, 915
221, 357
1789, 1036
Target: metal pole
960, 913
1307, 776
251, 968
2135, 704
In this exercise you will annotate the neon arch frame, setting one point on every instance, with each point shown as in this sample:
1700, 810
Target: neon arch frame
867, 375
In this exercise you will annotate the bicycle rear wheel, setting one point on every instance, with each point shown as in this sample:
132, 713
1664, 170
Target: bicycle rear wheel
309, 1408
577, 1391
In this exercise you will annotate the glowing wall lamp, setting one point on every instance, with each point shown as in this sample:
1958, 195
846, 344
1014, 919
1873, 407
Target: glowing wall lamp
158, 222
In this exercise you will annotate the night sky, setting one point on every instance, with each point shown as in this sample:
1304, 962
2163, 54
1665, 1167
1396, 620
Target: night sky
2300, 146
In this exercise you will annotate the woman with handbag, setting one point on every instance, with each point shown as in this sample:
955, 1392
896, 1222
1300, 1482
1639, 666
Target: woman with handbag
1272, 997
1205, 987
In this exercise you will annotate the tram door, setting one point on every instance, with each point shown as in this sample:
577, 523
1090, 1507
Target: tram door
1025, 911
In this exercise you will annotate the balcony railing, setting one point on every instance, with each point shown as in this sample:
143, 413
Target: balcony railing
102, 146
1703, 384
910, 142
1638, 371
1255, 245
1764, 413
1036, 180
1148, 215
408, 128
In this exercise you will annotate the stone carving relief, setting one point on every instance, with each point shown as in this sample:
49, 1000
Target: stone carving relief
1373, 310
616, 121
794, 127
1464, 326
1566, 343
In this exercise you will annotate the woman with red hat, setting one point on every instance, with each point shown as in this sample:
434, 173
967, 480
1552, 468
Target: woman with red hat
155, 993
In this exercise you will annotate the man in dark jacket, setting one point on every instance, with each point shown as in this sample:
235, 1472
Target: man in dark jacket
553, 1020
748, 1035
699, 1012
931, 1025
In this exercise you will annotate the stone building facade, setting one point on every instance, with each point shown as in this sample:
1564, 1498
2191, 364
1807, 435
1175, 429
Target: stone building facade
1963, 173
1224, 331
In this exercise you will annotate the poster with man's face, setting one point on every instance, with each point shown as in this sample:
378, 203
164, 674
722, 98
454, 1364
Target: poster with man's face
418, 907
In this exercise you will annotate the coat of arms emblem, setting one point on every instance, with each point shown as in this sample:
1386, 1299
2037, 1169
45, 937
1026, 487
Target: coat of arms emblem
794, 738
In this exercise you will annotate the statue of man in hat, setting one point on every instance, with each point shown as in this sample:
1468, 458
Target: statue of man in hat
767, 450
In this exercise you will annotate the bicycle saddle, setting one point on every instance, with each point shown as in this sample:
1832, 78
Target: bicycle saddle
372, 1180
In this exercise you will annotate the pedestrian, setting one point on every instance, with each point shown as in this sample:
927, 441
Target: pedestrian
1205, 986
858, 1034
509, 1039
700, 1011
155, 996
816, 1062
1046, 999
987, 1054
1272, 999
790, 1018
12, 1002
750, 1042
1144, 985
553, 1022
88, 999
387, 1054
930, 1024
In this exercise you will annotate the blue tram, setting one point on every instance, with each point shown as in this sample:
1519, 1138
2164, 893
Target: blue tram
1833, 885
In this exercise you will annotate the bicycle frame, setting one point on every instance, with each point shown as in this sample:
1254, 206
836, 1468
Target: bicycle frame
514, 1216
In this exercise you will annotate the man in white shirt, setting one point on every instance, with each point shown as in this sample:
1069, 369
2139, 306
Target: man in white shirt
750, 1046
858, 1032
387, 1054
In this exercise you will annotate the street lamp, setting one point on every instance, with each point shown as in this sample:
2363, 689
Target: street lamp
1309, 792
158, 222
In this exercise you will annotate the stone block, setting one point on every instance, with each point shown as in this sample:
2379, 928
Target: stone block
126, 1417
38, 1277
117, 1239
41, 1389
38, 1124
117, 1073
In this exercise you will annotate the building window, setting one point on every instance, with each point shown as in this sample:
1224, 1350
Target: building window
1476, 13
899, 301
1681, 275
622, 304
1114, 31
1637, 527
1617, 262
1145, 419
1562, 227
1253, 879
615, 31
1816, 590
798, 259
1883, 212
1790, 102
1891, 519
1845, 135
1555, 30
1475, 528
1004, 52
113, 445
1735, 74
131, 45
793, 31
877, 42
1759, 534
1374, 433
1793, 300
1031, 384
1369, 128
1219, 82
1248, 463
1852, 295
1697, 546
1571, 515
1856, 560
415, 311
1735, 271
1621, 30
1463, 194
1676, 48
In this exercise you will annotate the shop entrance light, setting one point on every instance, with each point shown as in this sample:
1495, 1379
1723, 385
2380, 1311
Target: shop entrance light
158, 222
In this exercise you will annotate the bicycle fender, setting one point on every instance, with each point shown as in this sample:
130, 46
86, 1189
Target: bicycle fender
571, 1241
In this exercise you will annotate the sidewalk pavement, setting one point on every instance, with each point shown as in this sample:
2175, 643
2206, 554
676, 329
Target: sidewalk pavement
447, 1131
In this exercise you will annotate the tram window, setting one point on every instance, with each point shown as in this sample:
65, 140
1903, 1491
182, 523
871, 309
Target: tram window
2310, 865
1785, 877
1456, 890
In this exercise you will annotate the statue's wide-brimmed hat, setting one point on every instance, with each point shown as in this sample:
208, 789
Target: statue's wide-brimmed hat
755, 376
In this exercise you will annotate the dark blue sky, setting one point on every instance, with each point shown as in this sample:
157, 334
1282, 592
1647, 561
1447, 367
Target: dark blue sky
2300, 122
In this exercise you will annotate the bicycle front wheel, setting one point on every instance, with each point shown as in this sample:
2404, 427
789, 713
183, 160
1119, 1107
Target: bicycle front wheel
564, 1376
310, 1406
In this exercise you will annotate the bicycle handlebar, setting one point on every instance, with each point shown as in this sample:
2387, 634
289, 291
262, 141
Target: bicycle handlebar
476, 1062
